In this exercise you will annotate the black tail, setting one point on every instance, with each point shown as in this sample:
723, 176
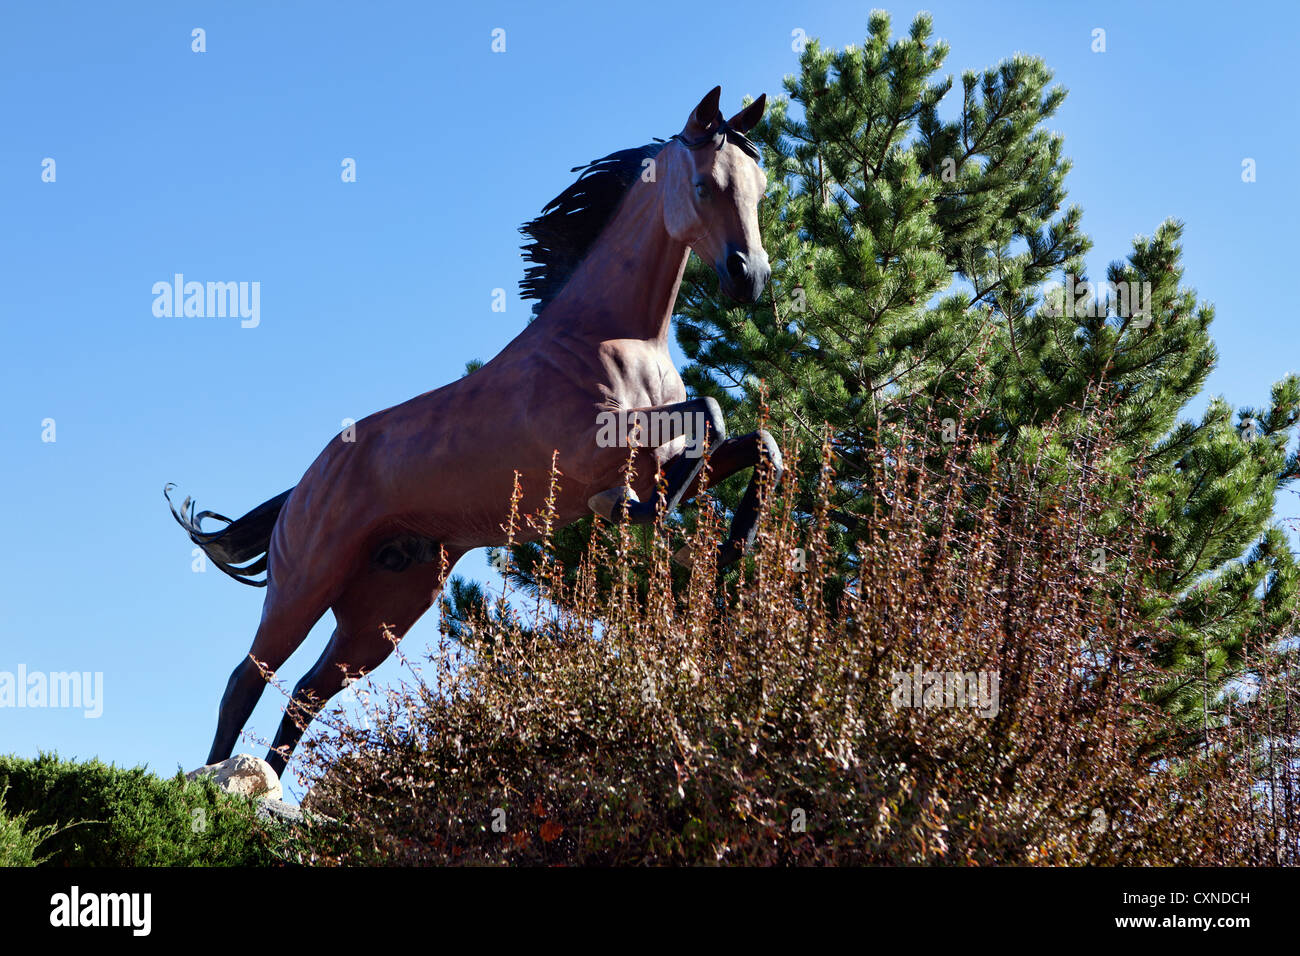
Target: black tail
240, 547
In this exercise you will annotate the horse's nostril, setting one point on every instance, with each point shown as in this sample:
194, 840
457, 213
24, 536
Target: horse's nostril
736, 264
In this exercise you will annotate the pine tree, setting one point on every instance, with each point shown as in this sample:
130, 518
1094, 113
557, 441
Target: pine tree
908, 249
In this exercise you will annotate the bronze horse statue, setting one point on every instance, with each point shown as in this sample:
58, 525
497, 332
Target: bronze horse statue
376, 523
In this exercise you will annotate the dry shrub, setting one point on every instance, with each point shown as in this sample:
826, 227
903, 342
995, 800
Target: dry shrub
754, 720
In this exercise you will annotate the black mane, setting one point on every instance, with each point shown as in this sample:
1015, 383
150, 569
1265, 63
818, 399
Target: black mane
570, 223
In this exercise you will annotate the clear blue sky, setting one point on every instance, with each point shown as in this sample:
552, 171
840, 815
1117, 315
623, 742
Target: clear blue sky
225, 165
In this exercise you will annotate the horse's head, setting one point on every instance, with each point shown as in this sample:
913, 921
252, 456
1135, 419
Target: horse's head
712, 187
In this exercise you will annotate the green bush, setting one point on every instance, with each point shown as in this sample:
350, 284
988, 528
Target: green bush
18, 840
95, 814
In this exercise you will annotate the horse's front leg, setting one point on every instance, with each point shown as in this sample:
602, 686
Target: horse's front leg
733, 455
699, 420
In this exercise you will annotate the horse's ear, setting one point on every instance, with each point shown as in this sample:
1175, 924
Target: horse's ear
706, 114
748, 118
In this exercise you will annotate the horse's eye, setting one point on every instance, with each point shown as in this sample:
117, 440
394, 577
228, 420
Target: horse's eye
702, 190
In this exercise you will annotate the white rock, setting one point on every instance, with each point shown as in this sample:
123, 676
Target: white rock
242, 774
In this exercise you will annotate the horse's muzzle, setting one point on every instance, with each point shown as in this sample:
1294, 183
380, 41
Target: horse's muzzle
744, 276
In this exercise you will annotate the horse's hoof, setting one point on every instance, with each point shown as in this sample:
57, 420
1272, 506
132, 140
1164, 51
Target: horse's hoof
608, 503
682, 557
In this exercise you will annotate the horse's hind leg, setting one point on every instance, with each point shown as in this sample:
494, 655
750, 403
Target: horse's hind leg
378, 603
284, 626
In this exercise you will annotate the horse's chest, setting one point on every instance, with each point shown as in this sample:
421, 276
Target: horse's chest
638, 375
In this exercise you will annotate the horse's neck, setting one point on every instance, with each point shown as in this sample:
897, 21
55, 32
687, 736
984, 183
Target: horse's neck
626, 285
